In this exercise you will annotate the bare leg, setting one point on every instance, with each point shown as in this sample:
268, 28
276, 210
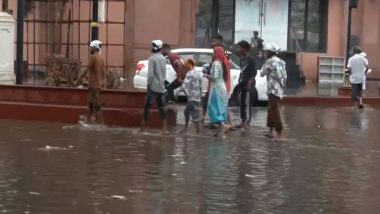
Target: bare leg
270, 133
165, 127
280, 137
90, 115
223, 131
187, 118
198, 127
229, 120
99, 118
244, 126
361, 102
203, 117
142, 127
186, 125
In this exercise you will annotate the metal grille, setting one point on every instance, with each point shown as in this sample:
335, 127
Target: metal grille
62, 27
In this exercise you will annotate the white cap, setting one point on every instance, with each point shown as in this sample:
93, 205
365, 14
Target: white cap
96, 44
363, 54
157, 44
272, 47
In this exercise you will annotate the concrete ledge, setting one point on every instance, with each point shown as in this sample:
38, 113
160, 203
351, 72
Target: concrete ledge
328, 101
65, 105
70, 114
70, 96
344, 91
317, 101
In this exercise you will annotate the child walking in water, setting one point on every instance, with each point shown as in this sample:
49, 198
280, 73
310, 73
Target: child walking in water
193, 89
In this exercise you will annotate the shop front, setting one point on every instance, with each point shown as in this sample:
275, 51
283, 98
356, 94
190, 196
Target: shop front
294, 25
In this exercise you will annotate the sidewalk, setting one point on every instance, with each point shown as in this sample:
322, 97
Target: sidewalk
309, 94
312, 94
312, 89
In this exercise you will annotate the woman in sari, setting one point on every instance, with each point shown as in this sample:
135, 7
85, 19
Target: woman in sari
218, 100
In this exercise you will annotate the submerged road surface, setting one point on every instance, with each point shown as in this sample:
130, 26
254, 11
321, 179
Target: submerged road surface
330, 164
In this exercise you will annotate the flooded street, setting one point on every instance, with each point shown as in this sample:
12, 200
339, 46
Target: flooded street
329, 165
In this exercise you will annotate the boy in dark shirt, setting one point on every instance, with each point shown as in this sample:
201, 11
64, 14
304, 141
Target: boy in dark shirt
246, 80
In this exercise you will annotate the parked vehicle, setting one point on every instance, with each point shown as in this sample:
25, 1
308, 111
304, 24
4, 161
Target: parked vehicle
201, 57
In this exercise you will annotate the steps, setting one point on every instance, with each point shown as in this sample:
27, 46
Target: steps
295, 77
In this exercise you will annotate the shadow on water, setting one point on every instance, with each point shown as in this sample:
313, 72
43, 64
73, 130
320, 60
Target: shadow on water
329, 165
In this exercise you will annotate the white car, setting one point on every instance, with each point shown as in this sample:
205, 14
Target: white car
201, 57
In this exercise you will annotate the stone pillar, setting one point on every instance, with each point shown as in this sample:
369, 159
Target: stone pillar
129, 46
7, 47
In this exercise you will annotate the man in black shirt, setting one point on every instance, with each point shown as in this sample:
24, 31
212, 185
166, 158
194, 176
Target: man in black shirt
246, 79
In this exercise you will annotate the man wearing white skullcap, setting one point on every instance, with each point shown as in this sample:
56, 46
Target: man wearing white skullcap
96, 71
156, 85
275, 71
96, 44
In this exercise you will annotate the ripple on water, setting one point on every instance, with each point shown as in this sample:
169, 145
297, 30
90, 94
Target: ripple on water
327, 169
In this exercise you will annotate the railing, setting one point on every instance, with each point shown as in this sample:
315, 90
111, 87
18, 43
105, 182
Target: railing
294, 38
298, 48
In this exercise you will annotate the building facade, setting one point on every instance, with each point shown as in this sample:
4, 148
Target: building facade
309, 28
63, 28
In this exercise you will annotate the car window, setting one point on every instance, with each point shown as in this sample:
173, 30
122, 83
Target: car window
206, 58
203, 59
186, 56
235, 61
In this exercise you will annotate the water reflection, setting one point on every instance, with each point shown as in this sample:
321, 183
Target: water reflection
329, 165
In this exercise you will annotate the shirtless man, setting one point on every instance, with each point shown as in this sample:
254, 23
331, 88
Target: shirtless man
96, 81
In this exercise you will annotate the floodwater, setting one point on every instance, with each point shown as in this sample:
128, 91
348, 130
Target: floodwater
330, 164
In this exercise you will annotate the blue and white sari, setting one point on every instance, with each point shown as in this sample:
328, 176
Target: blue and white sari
218, 100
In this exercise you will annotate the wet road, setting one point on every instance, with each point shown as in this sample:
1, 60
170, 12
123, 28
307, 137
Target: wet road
330, 164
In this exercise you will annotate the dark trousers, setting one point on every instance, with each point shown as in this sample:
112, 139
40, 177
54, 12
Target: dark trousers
274, 117
241, 89
357, 91
171, 87
243, 104
151, 95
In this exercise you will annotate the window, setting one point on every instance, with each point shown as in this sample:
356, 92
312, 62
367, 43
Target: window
226, 20
199, 58
308, 25
203, 59
186, 56
235, 61
215, 16
168, 61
